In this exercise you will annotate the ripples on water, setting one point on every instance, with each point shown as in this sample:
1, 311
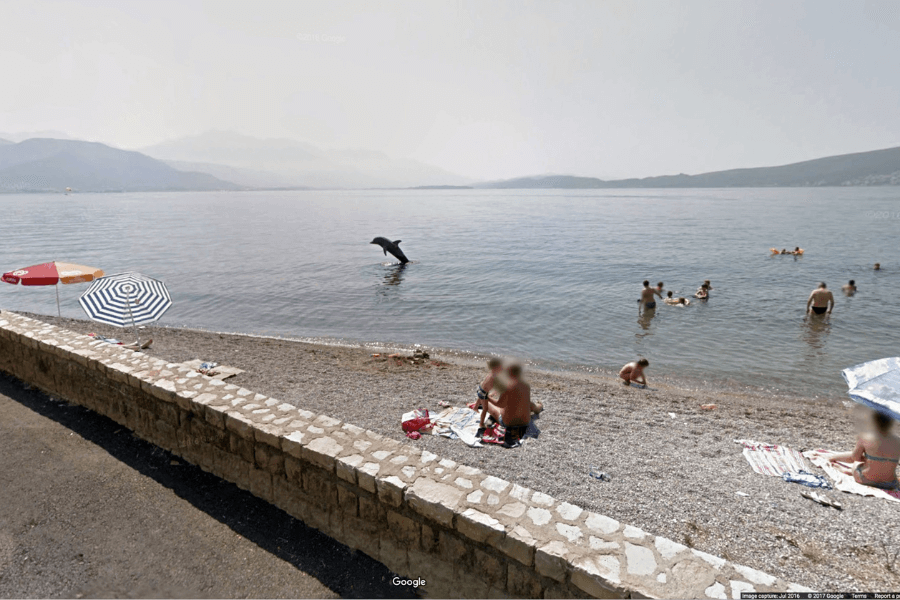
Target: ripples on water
551, 276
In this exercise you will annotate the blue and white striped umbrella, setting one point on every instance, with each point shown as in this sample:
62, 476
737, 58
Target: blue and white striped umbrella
126, 299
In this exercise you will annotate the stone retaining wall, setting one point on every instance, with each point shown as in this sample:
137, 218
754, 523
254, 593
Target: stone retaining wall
467, 534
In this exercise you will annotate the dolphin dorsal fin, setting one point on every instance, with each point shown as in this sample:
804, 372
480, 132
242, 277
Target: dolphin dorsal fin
397, 241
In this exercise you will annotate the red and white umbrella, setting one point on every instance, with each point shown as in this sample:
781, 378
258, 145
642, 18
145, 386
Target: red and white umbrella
53, 273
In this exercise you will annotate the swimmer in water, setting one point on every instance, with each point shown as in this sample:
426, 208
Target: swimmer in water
820, 301
850, 288
648, 296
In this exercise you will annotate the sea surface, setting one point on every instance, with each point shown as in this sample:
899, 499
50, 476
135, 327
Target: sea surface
549, 276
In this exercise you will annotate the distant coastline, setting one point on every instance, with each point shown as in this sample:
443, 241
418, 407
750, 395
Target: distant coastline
48, 165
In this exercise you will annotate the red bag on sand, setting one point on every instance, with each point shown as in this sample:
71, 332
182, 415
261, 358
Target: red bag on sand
416, 420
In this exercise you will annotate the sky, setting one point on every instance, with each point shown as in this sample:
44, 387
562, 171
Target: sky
488, 90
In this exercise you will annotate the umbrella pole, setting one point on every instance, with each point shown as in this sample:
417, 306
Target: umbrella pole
58, 312
137, 336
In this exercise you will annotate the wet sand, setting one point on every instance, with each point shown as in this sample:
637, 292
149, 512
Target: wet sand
675, 477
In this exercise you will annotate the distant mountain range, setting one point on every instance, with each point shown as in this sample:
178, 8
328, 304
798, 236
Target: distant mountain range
51, 165
879, 167
286, 163
229, 161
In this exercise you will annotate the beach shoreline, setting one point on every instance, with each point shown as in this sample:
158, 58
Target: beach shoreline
674, 466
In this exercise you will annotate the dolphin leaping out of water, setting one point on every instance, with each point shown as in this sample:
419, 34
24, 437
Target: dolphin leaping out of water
392, 247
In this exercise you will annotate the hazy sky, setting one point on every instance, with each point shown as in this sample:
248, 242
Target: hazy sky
486, 89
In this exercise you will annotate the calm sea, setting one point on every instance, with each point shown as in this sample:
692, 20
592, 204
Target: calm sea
548, 276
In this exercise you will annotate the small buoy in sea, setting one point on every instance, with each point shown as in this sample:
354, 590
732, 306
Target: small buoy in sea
375, 355
708, 406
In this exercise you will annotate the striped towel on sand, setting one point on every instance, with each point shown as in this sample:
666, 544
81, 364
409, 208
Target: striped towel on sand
767, 459
844, 482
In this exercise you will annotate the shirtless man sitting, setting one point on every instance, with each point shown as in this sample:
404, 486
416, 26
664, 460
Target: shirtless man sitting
512, 409
820, 301
648, 296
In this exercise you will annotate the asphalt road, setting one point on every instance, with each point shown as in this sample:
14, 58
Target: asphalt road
89, 510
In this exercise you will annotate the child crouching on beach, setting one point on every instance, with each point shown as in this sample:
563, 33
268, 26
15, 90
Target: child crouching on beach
633, 372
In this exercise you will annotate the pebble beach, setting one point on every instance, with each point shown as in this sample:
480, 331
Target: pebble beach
674, 467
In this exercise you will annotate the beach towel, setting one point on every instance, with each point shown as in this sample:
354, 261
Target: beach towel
774, 460
458, 423
211, 369
845, 482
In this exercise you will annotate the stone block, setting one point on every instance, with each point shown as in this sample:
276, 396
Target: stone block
358, 535
372, 511
261, 484
293, 470
598, 576
347, 501
321, 451
518, 544
268, 434
346, 467
365, 476
490, 568
550, 560
479, 527
436, 501
214, 414
451, 548
292, 444
239, 423
403, 529
269, 459
390, 490
429, 539
242, 448
321, 488
523, 583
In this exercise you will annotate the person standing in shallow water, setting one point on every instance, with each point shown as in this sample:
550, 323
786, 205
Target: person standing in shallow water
820, 301
850, 288
648, 296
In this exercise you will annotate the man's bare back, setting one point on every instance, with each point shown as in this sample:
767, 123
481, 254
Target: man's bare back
820, 301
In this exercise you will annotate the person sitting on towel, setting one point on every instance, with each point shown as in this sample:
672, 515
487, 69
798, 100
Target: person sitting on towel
512, 409
487, 384
877, 453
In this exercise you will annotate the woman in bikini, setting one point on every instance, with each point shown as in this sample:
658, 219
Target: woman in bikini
877, 453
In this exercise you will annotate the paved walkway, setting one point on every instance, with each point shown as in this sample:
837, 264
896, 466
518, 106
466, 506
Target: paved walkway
90, 510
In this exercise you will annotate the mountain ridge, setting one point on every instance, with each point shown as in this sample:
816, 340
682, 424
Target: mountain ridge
48, 165
292, 163
875, 167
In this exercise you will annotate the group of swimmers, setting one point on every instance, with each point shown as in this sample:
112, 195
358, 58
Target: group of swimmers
795, 252
648, 297
821, 300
